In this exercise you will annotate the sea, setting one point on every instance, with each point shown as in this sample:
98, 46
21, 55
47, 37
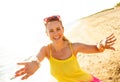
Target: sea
22, 49
23, 41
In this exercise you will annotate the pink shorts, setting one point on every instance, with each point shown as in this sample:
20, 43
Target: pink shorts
95, 79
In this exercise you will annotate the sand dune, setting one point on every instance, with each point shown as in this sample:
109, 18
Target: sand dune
91, 30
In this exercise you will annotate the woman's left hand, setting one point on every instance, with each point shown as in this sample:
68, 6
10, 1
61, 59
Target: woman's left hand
109, 42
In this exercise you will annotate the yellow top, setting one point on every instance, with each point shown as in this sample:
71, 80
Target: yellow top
68, 70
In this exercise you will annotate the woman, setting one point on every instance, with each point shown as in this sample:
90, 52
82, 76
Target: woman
62, 54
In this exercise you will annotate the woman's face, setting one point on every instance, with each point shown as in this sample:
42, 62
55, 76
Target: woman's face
55, 31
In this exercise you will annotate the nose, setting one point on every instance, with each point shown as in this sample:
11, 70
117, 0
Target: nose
55, 32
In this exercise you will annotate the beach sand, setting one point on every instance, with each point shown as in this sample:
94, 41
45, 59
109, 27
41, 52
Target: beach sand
91, 30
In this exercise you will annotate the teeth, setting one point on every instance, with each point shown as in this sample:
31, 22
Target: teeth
57, 37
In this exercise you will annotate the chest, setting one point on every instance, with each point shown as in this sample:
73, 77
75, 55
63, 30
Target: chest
62, 54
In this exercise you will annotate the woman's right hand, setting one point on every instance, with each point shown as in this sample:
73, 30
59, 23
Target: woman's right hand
29, 69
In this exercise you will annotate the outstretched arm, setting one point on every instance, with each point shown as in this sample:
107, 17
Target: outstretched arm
31, 67
100, 47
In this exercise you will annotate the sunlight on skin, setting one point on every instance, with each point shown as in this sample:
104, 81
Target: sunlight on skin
42, 74
22, 31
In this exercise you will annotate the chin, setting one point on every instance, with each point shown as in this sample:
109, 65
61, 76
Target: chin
57, 41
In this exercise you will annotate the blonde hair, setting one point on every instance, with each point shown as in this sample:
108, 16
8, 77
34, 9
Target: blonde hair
65, 39
55, 18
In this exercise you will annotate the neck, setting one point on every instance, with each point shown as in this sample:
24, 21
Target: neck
59, 46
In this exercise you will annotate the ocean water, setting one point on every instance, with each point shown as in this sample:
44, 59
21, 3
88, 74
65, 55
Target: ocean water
8, 65
22, 34
21, 50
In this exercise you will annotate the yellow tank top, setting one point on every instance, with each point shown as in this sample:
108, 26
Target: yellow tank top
68, 70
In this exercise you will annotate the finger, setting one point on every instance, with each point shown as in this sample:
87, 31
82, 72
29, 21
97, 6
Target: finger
22, 69
110, 37
25, 77
110, 41
109, 44
19, 72
112, 48
22, 73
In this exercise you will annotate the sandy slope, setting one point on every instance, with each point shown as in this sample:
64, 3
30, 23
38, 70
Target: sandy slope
91, 30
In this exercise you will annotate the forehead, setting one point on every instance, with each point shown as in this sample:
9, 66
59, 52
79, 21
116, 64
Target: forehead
53, 24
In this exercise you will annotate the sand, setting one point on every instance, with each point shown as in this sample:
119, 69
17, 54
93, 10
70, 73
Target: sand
91, 30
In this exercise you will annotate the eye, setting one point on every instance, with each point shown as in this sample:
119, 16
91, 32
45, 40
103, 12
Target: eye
58, 29
51, 31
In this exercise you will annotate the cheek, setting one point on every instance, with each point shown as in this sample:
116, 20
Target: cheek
49, 34
62, 32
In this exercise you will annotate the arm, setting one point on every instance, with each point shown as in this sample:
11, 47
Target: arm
31, 67
100, 47
84, 48
41, 55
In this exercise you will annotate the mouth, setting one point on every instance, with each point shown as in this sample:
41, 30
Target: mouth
56, 37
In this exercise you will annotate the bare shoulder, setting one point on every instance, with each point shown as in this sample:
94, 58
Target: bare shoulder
80, 47
42, 53
76, 46
45, 49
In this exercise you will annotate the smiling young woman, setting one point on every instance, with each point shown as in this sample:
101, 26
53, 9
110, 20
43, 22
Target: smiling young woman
62, 54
